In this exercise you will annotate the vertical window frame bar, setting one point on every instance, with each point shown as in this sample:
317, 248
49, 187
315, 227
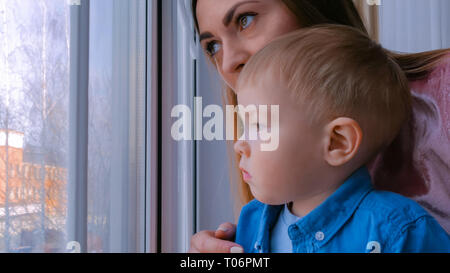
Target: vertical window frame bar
78, 124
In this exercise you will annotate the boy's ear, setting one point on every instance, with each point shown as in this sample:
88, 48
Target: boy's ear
343, 137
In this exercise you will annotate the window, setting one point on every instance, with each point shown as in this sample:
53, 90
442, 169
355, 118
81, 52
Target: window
73, 125
116, 129
34, 69
195, 190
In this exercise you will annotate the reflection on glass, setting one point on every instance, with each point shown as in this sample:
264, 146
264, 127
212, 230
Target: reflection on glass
116, 125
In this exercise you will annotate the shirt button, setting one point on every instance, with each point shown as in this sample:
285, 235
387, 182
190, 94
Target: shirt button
292, 229
319, 236
258, 247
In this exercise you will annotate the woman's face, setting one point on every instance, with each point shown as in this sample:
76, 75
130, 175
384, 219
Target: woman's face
232, 31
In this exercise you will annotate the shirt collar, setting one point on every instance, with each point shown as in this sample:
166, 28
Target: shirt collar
324, 221
287, 217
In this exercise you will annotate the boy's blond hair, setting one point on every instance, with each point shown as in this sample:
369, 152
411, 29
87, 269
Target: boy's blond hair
334, 71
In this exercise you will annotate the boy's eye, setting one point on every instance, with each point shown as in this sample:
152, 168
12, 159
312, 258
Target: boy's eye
245, 20
240, 127
257, 126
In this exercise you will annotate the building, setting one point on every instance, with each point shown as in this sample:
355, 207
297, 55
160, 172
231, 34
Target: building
27, 189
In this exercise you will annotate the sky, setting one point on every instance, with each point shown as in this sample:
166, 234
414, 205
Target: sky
21, 27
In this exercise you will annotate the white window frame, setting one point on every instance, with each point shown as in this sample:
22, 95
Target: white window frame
177, 158
168, 219
152, 131
78, 124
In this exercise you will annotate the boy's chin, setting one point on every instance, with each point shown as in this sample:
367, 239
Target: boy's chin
268, 200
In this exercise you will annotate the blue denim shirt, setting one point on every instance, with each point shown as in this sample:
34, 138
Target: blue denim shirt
356, 219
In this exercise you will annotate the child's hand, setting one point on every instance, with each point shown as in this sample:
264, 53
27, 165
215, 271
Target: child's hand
209, 241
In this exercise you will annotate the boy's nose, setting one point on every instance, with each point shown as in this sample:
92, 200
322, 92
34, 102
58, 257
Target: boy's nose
241, 147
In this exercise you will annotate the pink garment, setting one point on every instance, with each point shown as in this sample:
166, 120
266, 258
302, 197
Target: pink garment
417, 163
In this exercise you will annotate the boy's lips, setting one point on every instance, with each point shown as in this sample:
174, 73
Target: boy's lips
245, 174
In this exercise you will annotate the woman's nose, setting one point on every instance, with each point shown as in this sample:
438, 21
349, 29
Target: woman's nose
241, 147
234, 58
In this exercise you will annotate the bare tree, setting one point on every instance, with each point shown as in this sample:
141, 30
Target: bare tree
40, 58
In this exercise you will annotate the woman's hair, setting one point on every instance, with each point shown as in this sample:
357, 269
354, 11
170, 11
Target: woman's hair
342, 12
349, 75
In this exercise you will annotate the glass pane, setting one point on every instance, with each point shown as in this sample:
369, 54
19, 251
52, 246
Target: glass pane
34, 91
34, 129
116, 130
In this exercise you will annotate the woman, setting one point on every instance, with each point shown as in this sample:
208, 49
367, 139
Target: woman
232, 31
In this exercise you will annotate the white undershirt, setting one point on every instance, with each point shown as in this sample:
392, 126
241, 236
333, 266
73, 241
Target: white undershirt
279, 238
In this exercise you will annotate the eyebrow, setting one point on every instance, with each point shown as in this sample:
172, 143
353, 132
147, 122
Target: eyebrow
206, 35
229, 15
227, 18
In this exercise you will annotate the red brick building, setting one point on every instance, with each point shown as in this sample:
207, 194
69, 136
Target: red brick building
26, 187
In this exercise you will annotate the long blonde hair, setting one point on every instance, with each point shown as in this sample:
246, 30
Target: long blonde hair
416, 66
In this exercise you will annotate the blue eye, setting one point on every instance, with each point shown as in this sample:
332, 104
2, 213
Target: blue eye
245, 20
260, 126
212, 48
257, 125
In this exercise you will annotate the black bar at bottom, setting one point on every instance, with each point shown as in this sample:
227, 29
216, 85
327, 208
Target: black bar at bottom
227, 262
